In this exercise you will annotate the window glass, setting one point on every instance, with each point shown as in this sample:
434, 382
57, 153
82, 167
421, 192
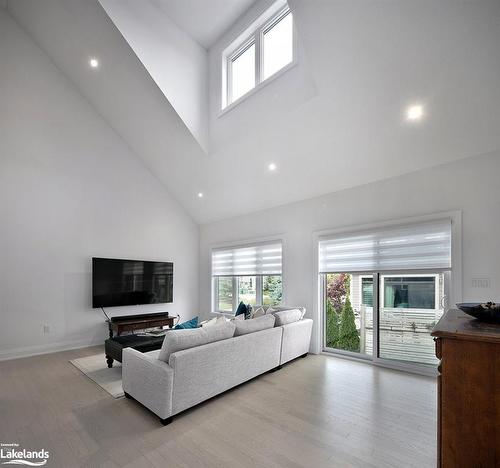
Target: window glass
407, 292
243, 73
367, 291
278, 46
271, 290
410, 311
225, 294
247, 291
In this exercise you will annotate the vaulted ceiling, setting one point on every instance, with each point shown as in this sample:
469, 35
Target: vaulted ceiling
334, 121
204, 20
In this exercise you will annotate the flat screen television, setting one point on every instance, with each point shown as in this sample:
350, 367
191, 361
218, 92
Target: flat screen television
131, 282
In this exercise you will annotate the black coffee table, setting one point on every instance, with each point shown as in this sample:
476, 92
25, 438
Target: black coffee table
113, 347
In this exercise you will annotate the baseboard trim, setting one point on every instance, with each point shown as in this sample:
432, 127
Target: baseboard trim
48, 348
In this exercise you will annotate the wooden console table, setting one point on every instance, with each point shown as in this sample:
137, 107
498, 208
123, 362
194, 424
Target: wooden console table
128, 323
468, 391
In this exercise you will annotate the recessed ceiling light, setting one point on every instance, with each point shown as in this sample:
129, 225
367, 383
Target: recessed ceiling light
94, 63
415, 112
200, 194
272, 167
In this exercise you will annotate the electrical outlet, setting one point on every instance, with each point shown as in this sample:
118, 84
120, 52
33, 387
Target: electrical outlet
46, 329
481, 282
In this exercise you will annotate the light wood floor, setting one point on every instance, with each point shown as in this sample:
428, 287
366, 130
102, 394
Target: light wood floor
319, 411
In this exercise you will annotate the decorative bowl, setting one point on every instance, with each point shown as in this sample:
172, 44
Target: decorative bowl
486, 311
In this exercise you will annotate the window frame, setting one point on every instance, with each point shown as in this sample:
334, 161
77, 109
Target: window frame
241, 45
259, 291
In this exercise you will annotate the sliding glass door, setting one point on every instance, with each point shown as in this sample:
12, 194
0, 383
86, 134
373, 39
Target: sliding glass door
348, 302
383, 291
396, 327
409, 307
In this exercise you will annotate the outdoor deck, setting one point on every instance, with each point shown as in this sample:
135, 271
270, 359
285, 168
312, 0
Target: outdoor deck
404, 334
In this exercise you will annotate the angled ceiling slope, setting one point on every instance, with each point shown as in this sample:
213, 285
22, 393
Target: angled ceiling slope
334, 121
120, 89
204, 20
175, 61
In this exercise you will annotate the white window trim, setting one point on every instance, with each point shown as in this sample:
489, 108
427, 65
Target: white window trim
243, 244
258, 292
245, 41
454, 286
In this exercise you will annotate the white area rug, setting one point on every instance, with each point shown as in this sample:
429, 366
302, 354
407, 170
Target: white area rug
96, 369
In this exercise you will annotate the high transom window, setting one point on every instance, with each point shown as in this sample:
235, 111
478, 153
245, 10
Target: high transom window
259, 55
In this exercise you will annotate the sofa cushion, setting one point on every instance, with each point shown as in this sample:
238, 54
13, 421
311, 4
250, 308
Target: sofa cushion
254, 325
177, 340
222, 330
283, 317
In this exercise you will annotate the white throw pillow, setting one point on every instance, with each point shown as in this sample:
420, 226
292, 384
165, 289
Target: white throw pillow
258, 312
210, 323
284, 317
177, 340
273, 310
253, 325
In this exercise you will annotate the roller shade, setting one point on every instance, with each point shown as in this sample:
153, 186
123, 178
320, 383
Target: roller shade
411, 247
263, 259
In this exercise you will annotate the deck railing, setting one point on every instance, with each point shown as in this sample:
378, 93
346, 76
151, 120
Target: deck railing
404, 334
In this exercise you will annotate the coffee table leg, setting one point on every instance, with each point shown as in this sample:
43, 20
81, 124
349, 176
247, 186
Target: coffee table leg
109, 360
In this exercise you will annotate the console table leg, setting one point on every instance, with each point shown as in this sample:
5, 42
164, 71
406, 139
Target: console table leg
109, 360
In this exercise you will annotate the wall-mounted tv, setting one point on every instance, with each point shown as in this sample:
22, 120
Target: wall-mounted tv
131, 282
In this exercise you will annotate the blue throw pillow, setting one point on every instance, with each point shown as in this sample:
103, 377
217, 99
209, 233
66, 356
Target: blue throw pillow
242, 309
193, 323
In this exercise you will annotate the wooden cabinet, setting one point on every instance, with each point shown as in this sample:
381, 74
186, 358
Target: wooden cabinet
468, 391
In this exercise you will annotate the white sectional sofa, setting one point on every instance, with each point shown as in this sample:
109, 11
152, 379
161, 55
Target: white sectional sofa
214, 359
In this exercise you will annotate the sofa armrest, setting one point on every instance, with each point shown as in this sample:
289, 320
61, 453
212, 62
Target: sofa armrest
296, 339
148, 380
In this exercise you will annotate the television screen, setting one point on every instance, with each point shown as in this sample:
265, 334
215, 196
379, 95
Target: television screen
130, 282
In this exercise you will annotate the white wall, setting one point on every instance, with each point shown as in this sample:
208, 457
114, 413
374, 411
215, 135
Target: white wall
470, 185
341, 110
70, 189
176, 62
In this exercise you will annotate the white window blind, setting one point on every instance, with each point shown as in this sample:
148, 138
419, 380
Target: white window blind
262, 259
411, 247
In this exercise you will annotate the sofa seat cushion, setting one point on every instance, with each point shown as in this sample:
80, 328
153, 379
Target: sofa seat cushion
253, 325
177, 340
284, 317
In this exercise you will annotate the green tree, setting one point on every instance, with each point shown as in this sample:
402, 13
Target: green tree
348, 335
332, 325
272, 290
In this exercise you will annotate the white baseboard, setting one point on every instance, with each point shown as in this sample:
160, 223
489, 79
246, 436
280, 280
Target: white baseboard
48, 348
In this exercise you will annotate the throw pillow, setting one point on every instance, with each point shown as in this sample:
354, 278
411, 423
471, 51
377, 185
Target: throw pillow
284, 317
209, 323
254, 325
273, 310
258, 312
193, 323
241, 310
